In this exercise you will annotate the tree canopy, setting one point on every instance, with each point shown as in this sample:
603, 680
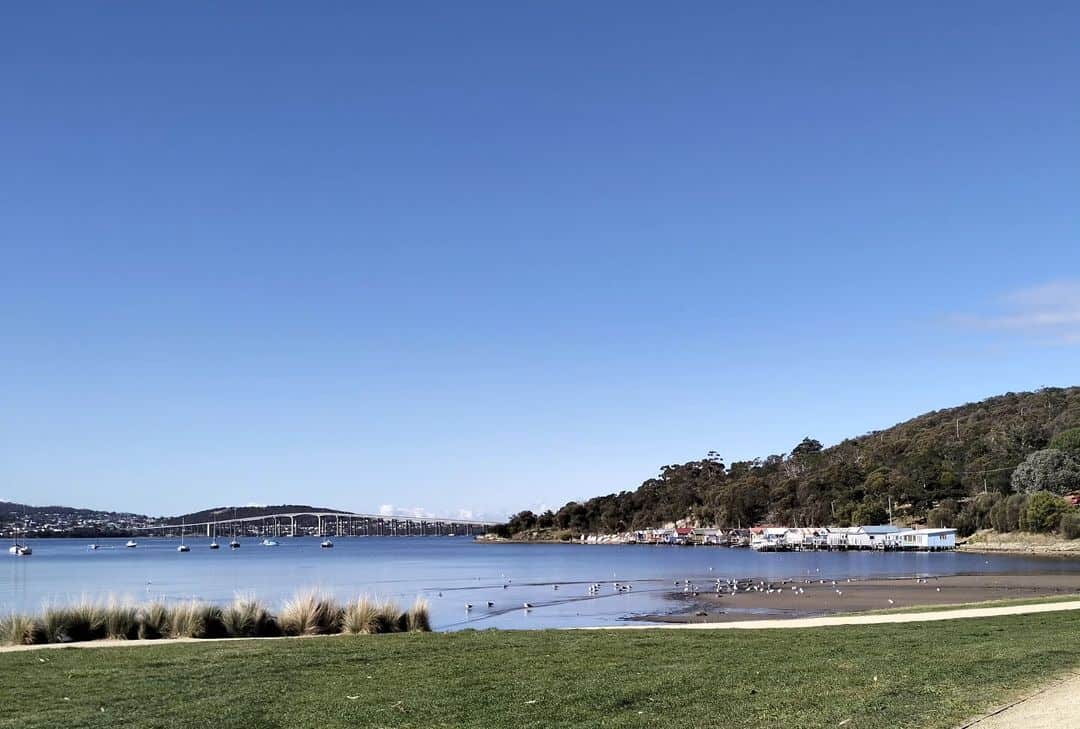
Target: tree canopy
958, 461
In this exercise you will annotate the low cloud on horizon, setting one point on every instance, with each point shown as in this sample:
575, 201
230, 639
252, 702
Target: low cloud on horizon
1050, 311
419, 512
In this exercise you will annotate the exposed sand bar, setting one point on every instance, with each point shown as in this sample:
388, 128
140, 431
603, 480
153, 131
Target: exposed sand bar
818, 598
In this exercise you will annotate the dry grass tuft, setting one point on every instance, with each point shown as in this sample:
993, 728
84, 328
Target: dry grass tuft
361, 617
418, 618
246, 617
21, 630
196, 620
311, 613
82, 621
121, 621
389, 618
154, 621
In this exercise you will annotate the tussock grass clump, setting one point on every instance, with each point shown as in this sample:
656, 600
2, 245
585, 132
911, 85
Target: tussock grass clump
308, 613
246, 617
418, 618
389, 618
21, 630
361, 617
196, 620
121, 621
82, 621
311, 613
154, 620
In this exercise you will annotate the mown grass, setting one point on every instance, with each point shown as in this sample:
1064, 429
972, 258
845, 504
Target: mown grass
915, 675
970, 605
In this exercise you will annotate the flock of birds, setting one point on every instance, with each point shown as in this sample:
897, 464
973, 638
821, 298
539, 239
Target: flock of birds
720, 587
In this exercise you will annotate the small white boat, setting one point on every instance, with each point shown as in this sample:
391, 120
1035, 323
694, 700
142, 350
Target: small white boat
94, 546
183, 547
214, 544
327, 544
269, 543
19, 550
131, 544
234, 544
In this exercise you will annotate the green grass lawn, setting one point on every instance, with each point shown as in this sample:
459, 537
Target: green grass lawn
970, 605
915, 675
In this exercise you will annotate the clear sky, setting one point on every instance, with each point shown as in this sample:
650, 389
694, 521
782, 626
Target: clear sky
483, 257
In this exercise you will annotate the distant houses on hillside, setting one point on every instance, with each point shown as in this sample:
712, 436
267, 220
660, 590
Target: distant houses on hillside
883, 537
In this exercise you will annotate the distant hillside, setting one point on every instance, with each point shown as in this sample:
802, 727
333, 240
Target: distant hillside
11, 511
940, 459
239, 512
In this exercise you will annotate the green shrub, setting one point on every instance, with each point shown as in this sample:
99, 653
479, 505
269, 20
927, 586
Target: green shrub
1070, 524
1067, 440
1043, 513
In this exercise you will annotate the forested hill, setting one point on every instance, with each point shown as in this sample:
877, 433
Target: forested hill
929, 467
243, 512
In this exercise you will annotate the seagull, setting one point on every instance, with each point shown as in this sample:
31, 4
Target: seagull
527, 605
890, 601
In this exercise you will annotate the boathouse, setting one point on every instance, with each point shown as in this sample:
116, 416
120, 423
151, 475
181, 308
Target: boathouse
878, 536
928, 539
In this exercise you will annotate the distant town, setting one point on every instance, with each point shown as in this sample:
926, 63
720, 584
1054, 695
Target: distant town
62, 521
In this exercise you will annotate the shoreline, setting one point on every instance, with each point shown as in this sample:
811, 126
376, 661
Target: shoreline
801, 598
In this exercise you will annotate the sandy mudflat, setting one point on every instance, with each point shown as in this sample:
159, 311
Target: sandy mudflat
822, 598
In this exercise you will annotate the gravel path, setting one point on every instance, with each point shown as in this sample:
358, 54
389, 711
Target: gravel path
830, 620
1053, 707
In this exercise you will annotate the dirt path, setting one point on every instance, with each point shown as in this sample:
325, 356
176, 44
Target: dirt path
831, 620
1053, 707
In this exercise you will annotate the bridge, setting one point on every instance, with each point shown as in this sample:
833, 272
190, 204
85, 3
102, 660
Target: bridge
329, 523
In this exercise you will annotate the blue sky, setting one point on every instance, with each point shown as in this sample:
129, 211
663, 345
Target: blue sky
482, 257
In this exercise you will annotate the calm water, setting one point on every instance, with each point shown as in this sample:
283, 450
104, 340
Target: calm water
448, 571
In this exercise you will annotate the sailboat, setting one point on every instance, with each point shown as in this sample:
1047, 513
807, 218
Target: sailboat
234, 543
183, 547
214, 544
19, 550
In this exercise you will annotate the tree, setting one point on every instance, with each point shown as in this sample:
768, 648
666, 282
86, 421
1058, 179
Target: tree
1044, 511
1068, 441
807, 447
1047, 470
869, 512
